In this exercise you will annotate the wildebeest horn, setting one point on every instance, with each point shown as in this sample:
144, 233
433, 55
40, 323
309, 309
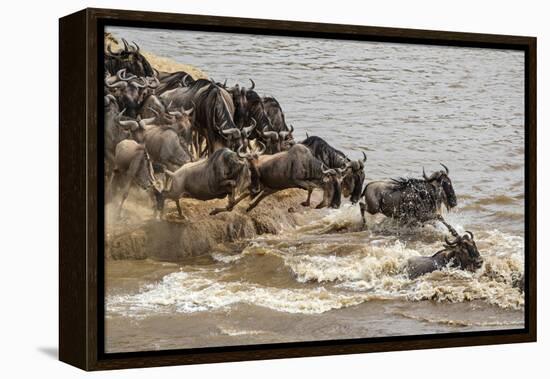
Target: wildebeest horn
135, 83
270, 134
262, 150
424, 174
109, 98
453, 243
240, 153
147, 121
130, 124
471, 234
250, 128
233, 132
136, 45
154, 111
184, 80
188, 111
364, 157
307, 135
225, 83
253, 84
291, 129
117, 84
121, 75
126, 47
445, 167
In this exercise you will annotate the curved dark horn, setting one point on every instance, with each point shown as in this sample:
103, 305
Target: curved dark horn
307, 135
250, 128
116, 84
453, 243
184, 80
424, 175
154, 111
225, 83
121, 75
291, 129
262, 150
253, 84
471, 234
136, 45
232, 132
270, 134
130, 124
126, 47
364, 157
445, 167
240, 153
135, 83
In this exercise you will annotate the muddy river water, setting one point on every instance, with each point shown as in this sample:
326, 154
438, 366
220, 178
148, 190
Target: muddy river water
406, 106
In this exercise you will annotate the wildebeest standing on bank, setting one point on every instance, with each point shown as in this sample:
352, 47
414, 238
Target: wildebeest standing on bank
461, 253
279, 137
129, 58
354, 171
295, 168
132, 166
222, 174
410, 200
213, 118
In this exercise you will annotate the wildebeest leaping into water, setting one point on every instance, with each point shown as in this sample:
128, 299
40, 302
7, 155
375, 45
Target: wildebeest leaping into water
411, 201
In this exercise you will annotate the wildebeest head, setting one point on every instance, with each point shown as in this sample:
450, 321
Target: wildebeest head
134, 128
129, 90
463, 252
286, 139
237, 137
252, 160
442, 181
354, 177
130, 58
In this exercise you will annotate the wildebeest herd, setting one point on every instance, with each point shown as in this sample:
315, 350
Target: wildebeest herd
176, 137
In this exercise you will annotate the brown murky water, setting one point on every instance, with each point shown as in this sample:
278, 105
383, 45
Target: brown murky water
407, 106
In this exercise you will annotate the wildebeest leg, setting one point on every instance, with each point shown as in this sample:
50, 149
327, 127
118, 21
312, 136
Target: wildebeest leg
231, 203
180, 213
125, 193
262, 195
307, 202
363, 208
449, 227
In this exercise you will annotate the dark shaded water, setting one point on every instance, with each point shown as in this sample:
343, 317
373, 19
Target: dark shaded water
407, 106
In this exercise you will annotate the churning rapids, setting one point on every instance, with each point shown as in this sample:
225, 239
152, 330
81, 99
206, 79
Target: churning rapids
325, 276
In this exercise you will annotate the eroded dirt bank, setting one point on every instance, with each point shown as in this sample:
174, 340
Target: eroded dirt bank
138, 235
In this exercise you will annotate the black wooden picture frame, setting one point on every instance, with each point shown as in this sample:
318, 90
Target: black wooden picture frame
81, 329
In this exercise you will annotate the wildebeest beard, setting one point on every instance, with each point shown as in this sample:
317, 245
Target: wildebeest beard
336, 200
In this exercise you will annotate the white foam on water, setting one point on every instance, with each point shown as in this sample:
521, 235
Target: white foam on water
186, 292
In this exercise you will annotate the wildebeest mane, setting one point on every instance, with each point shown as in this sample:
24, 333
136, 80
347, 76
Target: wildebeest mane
272, 106
327, 154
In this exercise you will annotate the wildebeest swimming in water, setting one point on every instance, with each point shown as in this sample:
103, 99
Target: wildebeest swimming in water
129, 58
295, 168
353, 171
410, 201
222, 174
461, 253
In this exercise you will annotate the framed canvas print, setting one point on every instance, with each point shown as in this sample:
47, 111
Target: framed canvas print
237, 189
